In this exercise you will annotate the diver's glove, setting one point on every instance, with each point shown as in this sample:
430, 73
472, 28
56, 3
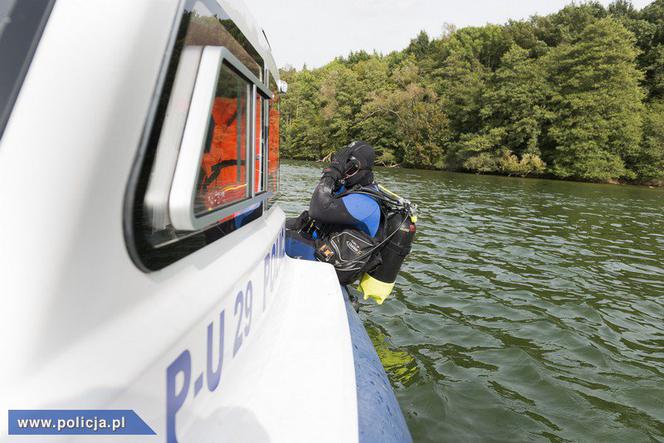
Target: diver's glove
339, 165
334, 171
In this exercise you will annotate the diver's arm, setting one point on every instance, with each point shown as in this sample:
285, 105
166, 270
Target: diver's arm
326, 208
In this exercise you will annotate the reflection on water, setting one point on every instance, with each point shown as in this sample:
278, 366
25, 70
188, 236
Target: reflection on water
400, 365
528, 309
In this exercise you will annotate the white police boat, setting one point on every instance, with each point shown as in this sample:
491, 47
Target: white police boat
143, 278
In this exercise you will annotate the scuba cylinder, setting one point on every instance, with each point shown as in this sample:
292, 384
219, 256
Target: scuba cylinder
399, 229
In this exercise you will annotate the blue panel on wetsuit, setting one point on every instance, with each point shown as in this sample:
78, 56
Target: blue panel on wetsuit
365, 210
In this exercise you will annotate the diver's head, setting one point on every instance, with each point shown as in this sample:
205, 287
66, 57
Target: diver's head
359, 165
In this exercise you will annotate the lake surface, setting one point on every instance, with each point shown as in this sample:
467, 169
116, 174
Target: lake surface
529, 310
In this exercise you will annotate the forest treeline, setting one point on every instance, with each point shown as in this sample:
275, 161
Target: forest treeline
578, 94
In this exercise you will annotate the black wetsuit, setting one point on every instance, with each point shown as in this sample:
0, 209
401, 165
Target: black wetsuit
358, 211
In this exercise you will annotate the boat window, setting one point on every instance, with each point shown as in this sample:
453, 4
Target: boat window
273, 143
210, 25
222, 179
259, 145
21, 26
228, 181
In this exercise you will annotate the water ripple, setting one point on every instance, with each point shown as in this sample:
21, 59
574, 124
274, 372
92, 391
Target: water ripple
529, 310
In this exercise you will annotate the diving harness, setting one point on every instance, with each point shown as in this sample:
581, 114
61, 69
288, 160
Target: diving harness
398, 232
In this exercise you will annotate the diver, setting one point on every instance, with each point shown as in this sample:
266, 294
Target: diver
361, 228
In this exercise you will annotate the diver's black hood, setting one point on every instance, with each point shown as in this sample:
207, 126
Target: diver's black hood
364, 155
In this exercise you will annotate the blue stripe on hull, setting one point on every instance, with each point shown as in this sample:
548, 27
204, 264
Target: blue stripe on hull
380, 418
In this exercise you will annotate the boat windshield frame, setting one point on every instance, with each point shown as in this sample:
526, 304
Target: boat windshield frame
21, 27
152, 249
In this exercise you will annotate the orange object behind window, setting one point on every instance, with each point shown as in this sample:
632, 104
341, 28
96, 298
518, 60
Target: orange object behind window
258, 185
223, 173
273, 146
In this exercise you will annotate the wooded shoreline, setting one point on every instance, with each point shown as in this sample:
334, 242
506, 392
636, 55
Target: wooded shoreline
652, 185
576, 95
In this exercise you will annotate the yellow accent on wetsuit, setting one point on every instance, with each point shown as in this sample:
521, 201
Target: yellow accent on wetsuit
376, 289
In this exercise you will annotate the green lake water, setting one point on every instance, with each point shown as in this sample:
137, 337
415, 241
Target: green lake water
529, 310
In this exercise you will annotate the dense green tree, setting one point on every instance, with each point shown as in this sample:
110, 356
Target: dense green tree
649, 163
623, 8
598, 103
651, 42
419, 46
524, 35
648, 28
568, 23
302, 125
477, 151
516, 103
461, 84
485, 45
419, 126
340, 103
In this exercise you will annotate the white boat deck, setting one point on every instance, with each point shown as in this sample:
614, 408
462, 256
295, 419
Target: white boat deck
297, 379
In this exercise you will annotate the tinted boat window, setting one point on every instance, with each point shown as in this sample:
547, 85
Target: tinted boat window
273, 143
152, 241
21, 26
259, 146
210, 25
222, 178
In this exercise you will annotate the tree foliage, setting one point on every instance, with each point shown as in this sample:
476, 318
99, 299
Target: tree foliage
576, 94
597, 103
